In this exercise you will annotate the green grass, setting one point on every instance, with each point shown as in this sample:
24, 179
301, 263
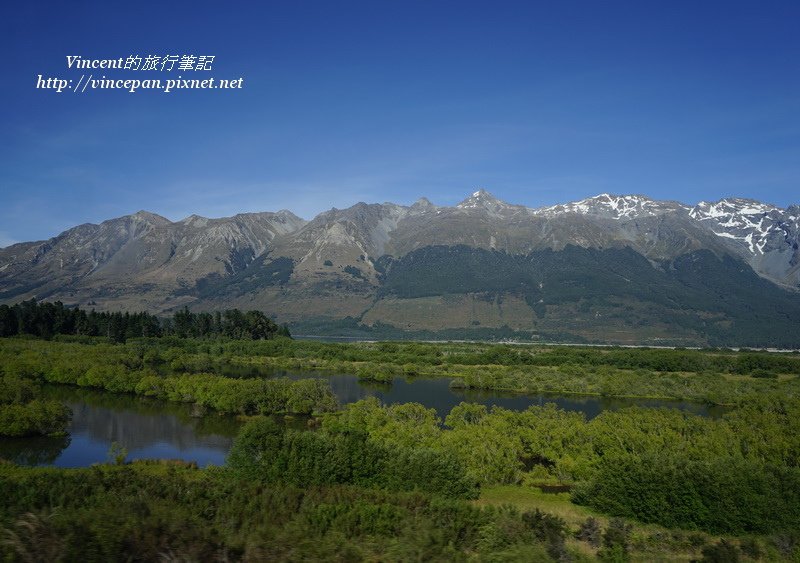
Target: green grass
530, 498
649, 542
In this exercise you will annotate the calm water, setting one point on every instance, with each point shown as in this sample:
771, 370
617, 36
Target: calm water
436, 393
148, 429
151, 429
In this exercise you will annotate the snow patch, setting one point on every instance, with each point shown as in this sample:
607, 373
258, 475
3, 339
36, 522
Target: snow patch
612, 207
741, 219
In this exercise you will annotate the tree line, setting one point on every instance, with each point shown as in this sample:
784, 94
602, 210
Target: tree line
46, 320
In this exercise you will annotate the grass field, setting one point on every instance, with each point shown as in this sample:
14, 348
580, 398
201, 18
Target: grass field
648, 542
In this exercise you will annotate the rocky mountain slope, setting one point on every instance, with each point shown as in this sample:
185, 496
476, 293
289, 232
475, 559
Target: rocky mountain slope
607, 268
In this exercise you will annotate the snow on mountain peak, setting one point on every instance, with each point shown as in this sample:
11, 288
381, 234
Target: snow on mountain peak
479, 198
613, 207
729, 207
753, 223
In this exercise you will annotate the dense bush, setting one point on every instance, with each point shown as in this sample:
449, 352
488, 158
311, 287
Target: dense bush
722, 552
721, 495
266, 452
128, 369
35, 417
156, 512
731, 475
24, 413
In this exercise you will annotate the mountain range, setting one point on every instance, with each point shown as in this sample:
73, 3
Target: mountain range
616, 269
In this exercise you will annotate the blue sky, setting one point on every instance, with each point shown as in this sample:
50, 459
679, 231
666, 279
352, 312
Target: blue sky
538, 102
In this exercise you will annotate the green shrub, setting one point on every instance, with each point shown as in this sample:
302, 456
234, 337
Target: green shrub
264, 451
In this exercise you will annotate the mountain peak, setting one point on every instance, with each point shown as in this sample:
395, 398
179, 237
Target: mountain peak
421, 205
150, 217
480, 198
195, 220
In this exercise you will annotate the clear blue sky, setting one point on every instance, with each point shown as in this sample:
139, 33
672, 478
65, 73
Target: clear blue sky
538, 102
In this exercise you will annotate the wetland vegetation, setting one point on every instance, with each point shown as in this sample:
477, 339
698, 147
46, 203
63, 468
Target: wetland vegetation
402, 481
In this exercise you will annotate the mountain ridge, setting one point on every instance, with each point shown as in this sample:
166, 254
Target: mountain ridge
338, 264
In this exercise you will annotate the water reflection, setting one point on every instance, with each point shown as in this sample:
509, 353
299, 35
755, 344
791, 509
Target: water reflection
148, 429
151, 429
37, 450
436, 393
